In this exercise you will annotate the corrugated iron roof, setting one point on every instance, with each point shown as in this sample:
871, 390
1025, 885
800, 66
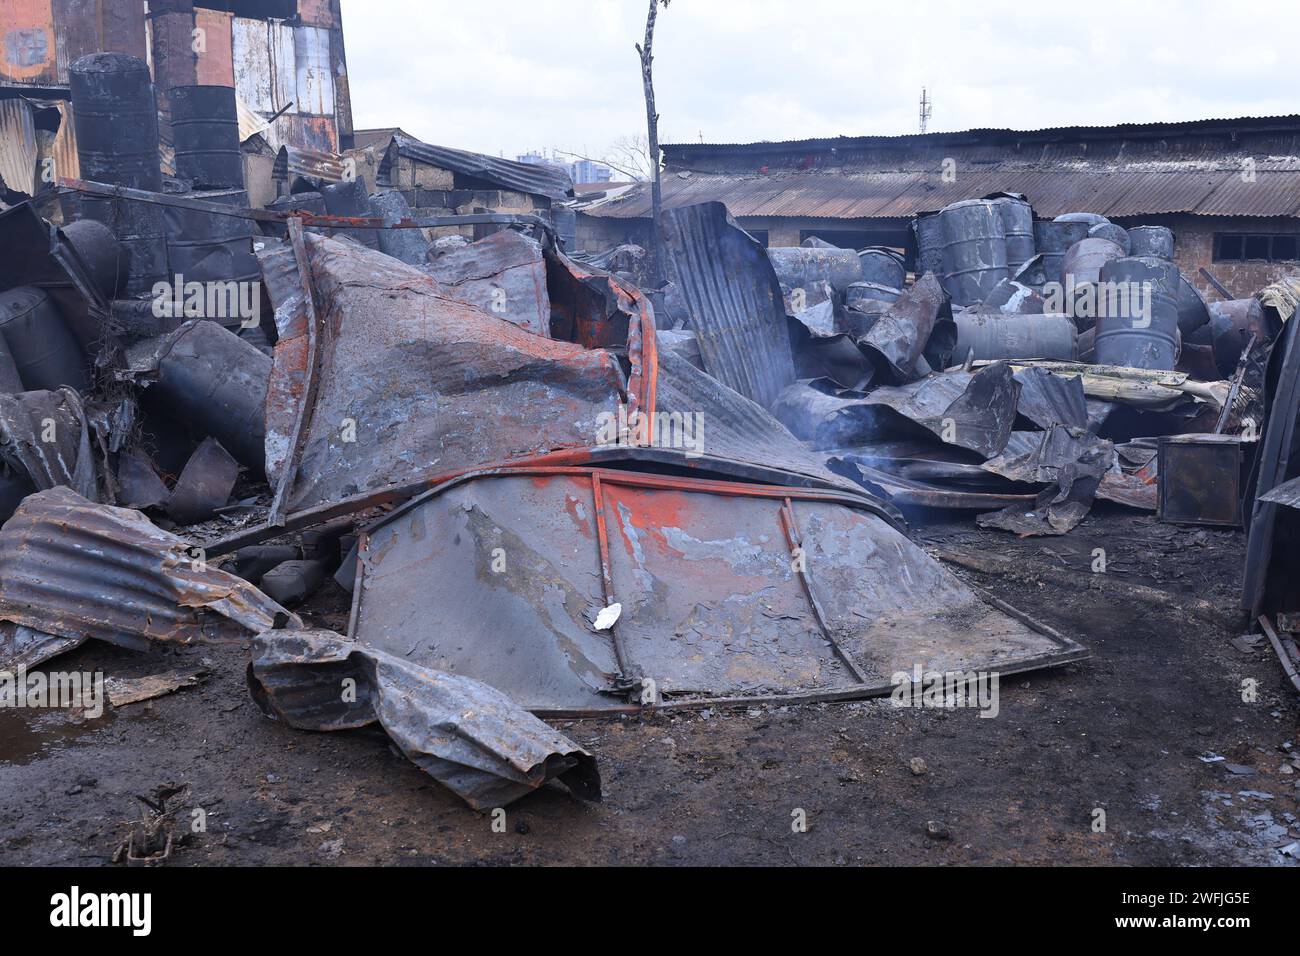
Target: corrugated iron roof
1287, 123
525, 178
1053, 191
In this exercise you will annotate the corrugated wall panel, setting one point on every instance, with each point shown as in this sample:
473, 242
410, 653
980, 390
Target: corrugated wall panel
284, 67
314, 83
17, 145
251, 56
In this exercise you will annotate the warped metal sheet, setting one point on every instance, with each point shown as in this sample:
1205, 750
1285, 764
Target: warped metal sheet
734, 300
727, 591
313, 83
72, 569
425, 385
466, 735
292, 162
548, 181
26, 419
1271, 583
971, 410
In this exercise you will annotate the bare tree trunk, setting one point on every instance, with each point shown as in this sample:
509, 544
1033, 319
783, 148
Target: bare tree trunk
652, 134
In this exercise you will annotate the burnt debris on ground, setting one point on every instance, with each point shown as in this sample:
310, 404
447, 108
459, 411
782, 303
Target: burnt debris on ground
435, 473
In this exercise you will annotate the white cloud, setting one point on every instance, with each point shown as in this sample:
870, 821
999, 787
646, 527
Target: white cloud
506, 76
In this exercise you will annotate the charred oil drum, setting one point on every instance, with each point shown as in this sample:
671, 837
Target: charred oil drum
1232, 323
13, 489
1108, 230
205, 130
1053, 240
312, 202
209, 247
1154, 241
44, 350
974, 250
11, 383
929, 244
102, 254
1192, 312
991, 337
217, 381
1137, 326
116, 120
117, 143
1085, 259
350, 199
883, 267
801, 267
1018, 227
409, 245
1091, 218
860, 292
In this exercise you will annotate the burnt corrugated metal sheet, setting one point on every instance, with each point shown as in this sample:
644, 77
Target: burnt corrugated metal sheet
294, 161
431, 385
734, 300
18, 150
74, 569
1289, 123
526, 178
1053, 192
313, 80
726, 590
468, 736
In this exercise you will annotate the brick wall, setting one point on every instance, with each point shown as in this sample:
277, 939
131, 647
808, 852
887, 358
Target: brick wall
1194, 248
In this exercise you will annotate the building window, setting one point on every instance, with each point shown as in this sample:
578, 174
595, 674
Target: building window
1246, 247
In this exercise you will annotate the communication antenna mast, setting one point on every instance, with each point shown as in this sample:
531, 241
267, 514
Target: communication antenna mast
927, 105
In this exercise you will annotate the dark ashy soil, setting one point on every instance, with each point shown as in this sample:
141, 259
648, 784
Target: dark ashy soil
1123, 732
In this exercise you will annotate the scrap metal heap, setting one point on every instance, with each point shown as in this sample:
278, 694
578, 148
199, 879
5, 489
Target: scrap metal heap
549, 492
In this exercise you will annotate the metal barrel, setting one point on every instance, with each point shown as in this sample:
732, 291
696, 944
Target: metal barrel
1053, 240
928, 229
800, 267
312, 202
140, 231
1091, 218
44, 350
1018, 227
1013, 298
205, 132
1080, 272
102, 254
1108, 230
116, 120
215, 380
1084, 260
1151, 241
11, 383
1192, 312
974, 250
13, 489
1232, 323
350, 199
208, 247
859, 292
883, 267
1137, 326
998, 336
409, 245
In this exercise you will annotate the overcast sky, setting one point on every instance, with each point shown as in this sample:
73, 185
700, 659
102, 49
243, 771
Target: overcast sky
508, 76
